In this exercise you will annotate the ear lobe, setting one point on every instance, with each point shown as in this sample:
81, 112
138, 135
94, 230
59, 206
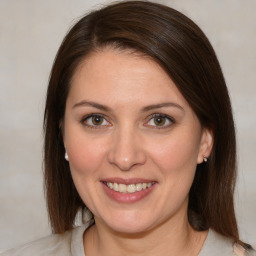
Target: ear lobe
205, 145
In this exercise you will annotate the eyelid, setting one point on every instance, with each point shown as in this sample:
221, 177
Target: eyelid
83, 121
169, 118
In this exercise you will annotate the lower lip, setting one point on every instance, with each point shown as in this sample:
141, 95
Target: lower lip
127, 197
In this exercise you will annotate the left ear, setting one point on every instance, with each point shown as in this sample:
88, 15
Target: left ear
206, 144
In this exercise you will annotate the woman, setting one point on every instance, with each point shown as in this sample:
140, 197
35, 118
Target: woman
139, 138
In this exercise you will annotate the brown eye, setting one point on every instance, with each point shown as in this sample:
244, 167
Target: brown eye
97, 120
159, 120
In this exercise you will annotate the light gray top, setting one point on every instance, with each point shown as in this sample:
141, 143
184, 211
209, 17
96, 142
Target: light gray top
71, 244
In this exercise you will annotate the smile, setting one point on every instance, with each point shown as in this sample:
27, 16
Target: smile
130, 188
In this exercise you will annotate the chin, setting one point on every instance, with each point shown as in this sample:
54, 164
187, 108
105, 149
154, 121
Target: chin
135, 228
130, 223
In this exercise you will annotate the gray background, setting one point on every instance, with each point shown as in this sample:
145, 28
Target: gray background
30, 34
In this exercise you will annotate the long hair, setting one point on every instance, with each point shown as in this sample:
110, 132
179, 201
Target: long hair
179, 46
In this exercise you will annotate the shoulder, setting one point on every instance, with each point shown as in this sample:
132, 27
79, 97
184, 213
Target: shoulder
217, 244
50, 245
69, 243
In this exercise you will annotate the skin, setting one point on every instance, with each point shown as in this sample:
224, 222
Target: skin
129, 143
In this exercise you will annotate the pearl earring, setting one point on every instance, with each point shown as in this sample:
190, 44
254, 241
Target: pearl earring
66, 156
205, 159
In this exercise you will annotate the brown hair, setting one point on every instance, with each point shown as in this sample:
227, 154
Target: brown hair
184, 52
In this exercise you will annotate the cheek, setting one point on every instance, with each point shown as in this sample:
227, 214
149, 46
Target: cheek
176, 159
176, 153
85, 154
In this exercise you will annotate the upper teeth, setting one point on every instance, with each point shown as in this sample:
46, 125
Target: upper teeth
131, 188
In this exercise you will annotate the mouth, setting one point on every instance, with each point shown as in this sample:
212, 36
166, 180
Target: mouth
129, 188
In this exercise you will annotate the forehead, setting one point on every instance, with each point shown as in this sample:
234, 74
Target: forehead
113, 75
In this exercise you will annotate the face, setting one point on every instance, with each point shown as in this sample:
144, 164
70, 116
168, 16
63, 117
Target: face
133, 141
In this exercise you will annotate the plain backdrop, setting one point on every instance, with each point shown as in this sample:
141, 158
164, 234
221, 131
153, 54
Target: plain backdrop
30, 34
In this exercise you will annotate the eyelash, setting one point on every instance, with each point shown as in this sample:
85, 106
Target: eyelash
86, 118
168, 118
171, 121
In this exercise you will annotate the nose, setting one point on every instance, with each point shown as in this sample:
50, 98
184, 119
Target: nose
126, 150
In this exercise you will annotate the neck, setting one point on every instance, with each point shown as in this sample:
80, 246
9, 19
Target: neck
170, 238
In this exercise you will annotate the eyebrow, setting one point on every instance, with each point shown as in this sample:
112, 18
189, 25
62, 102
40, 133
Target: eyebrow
144, 109
162, 105
92, 104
